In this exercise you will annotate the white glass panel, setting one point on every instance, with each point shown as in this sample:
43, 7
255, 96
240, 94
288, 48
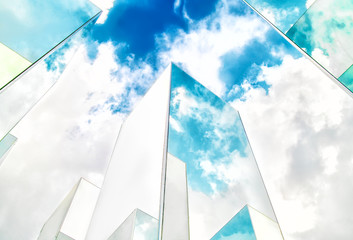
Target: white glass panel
133, 178
264, 227
175, 217
52, 227
81, 210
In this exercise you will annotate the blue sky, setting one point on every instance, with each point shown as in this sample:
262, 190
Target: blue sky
136, 28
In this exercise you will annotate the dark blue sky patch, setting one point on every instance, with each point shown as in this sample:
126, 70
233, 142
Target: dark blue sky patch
198, 9
137, 25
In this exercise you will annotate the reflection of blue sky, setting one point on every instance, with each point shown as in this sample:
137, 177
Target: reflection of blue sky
146, 226
38, 26
238, 228
203, 128
283, 13
325, 32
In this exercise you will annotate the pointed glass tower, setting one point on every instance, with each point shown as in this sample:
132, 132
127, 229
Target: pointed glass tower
183, 157
321, 29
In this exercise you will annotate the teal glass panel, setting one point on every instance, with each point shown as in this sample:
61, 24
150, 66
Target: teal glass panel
347, 78
24, 92
5, 144
238, 228
282, 13
222, 174
325, 32
32, 28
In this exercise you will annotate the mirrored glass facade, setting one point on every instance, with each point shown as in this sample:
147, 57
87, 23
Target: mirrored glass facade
322, 29
133, 179
29, 30
19, 96
188, 165
222, 175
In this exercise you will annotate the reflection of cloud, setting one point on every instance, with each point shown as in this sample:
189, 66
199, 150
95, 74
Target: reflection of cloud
301, 133
326, 27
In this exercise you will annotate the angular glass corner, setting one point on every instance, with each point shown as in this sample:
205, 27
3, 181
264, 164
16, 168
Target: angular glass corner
249, 224
323, 30
72, 217
137, 226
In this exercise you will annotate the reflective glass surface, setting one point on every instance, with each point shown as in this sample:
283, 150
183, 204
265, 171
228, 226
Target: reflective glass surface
126, 229
79, 216
71, 219
323, 29
52, 227
24, 92
238, 228
175, 215
133, 178
137, 226
325, 32
222, 174
347, 78
5, 144
265, 228
32, 28
282, 13
146, 227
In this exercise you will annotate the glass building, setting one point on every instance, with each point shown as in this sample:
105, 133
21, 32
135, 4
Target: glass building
182, 157
322, 29
34, 50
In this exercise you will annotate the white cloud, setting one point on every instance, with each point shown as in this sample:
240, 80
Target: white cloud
301, 136
200, 49
105, 6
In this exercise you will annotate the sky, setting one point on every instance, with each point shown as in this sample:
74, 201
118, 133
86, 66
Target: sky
297, 119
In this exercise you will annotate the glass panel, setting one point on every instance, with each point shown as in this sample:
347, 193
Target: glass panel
5, 145
238, 228
52, 227
126, 229
175, 214
146, 227
78, 217
23, 93
264, 227
11, 64
282, 13
133, 178
347, 78
32, 28
222, 174
325, 32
